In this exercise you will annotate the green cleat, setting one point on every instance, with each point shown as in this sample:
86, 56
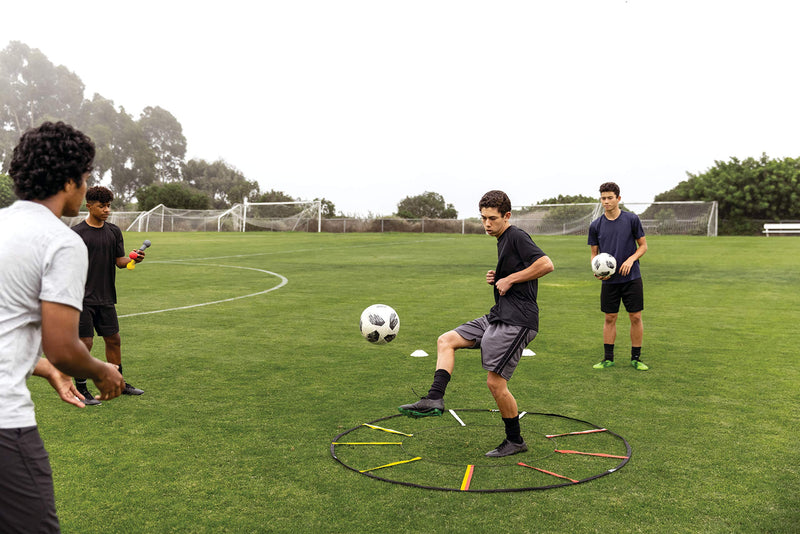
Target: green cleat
424, 407
639, 366
604, 364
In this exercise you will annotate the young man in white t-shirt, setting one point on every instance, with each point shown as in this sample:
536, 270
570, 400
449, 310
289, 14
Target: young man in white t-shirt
42, 277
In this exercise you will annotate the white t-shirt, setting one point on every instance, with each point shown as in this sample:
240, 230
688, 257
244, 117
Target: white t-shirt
40, 259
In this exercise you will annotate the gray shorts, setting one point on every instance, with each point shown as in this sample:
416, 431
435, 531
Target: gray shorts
27, 500
501, 344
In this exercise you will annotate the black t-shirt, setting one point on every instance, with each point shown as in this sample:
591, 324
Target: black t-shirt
516, 251
105, 246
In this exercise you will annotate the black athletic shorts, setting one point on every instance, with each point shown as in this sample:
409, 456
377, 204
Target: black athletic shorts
630, 293
27, 499
103, 319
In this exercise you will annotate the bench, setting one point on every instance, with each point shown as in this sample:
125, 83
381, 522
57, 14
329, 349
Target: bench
781, 228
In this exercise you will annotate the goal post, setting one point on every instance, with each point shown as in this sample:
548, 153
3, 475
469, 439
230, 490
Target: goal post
658, 218
292, 216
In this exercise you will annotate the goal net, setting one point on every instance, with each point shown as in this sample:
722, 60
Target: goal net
123, 219
297, 216
164, 219
658, 218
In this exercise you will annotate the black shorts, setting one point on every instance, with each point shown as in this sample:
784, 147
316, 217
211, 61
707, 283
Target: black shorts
27, 499
630, 293
103, 319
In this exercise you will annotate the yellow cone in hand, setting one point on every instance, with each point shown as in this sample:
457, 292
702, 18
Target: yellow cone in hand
131, 265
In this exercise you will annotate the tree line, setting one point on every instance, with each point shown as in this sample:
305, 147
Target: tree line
144, 158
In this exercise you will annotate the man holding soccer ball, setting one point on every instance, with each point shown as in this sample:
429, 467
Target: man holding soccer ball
620, 234
505, 331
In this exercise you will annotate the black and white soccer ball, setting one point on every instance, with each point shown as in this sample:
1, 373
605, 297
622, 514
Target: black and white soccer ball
604, 264
379, 324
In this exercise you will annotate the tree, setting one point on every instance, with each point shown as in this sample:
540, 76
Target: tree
224, 184
33, 90
172, 195
570, 199
7, 194
328, 208
165, 137
427, 205
122, 147
762, 189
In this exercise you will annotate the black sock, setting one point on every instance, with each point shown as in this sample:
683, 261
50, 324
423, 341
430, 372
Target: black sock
440, 380
636, 353
119, 368
608, 350
80, 383
512, 429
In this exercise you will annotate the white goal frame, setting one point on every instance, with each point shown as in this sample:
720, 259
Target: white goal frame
689, 217
247, 204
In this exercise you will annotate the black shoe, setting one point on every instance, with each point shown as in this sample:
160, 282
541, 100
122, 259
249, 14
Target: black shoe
130, 390
423, 408
507, 448
89, 399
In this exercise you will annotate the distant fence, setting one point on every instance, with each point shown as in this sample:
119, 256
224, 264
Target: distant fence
658, 218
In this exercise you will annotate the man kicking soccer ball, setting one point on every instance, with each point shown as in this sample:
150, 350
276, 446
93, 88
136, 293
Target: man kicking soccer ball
505, 331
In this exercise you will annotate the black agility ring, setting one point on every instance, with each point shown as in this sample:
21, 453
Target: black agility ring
415, 454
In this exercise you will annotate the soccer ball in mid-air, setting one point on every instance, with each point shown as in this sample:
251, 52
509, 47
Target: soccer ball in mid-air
604, 265
379, 324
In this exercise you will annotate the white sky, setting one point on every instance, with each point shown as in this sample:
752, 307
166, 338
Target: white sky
365, 102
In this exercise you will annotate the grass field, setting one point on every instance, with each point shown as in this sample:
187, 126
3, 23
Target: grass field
244, 396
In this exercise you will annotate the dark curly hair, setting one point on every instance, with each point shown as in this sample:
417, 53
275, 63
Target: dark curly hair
99, 194
48, 157
495, 199
609, 187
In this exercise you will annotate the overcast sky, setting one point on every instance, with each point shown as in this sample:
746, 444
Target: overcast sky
366, 102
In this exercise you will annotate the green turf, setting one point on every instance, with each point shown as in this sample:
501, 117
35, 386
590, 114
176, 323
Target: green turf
244, 397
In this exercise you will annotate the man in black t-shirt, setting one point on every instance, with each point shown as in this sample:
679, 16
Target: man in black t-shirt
505, 331
106, 254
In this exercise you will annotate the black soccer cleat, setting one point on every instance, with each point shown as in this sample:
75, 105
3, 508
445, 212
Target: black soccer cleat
507, 448
89, 399
130, 390
424, 407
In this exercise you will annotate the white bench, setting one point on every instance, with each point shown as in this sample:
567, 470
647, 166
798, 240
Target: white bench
781, 228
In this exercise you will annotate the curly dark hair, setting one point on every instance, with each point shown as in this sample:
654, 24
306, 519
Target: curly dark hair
495, 199
48, 157
99, 194
609, 187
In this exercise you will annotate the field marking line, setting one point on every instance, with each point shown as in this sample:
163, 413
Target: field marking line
284, 281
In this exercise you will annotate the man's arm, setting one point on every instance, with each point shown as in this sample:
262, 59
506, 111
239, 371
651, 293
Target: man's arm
68, 354
626, 267
537, 269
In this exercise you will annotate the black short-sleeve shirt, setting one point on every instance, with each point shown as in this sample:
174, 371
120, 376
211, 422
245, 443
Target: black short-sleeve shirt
516, 251
105, 246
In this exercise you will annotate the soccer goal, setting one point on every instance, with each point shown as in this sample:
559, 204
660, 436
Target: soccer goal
165, 219
296, 216
658, 218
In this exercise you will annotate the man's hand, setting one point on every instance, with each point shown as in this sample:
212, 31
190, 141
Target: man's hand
503, 286
61, 383
626, 267
110, 382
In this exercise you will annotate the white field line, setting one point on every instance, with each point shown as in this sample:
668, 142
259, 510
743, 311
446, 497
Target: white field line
284, 281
